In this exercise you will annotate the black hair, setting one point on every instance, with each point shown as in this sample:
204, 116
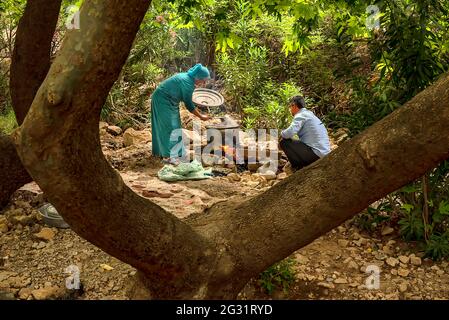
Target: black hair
298, 101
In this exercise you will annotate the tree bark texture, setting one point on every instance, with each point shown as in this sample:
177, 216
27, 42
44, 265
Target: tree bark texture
12, 173
32, 50
212, 255
29, 66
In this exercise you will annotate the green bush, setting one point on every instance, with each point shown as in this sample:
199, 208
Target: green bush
279, 276
7, 122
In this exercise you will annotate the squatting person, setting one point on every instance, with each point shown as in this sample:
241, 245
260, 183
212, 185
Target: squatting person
313, 142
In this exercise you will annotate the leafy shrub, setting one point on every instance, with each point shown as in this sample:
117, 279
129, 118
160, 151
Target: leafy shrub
279, 276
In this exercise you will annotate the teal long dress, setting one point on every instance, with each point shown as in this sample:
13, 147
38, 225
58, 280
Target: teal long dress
165, 111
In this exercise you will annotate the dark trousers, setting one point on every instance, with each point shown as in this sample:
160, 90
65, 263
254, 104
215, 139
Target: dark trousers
298, 153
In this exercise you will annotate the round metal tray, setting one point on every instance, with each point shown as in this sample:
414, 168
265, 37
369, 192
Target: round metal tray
207, 98
51, 217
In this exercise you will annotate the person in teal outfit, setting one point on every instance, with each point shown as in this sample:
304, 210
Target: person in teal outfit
165, 115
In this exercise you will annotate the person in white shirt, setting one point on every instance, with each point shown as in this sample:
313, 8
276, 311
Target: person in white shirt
313, 142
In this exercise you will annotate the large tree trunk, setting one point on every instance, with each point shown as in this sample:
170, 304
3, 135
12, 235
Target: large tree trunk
29, 66
212, 255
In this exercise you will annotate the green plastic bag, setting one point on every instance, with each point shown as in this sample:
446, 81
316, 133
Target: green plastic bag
184, 171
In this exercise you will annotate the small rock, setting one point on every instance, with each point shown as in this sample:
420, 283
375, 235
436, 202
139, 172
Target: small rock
403, 287
404, 259
326, 285
282, 176
340, 281
133, 137
416, 261
23, 220
387, 249
24, 293
103, 125
41, 245
343, 243
355, 236
403, 272
392, 261
302, 259
4, 227
440, 272
48, 293
114, 130
4, 295
353, 265
45, 234
394, 272
106, 267
233, 177
380, 255
341, 229
387, 230
267, 174
310, 277
435, 268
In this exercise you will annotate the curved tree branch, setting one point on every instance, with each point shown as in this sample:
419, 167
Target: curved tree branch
32, 50
211, 256
391, 153
29, 66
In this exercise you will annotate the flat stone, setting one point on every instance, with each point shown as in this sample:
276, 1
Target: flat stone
404, 259
114, 130
416, 261
403, 287
403, 272
23, 220
282, 176
134, 137
392, 261
302, 259
387, 249
4, 227
387, 230
48, 293
343, 243
25, 293
5, 295
45, 234
327, 285
340, 281
353, 265
41, 245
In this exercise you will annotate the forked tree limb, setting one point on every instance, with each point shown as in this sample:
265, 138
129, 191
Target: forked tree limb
212, 255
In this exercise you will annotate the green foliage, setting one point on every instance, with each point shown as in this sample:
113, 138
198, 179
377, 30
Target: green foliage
411, 225
7, 122
272, 110
374, 216
279, 276
243, 72
438, 246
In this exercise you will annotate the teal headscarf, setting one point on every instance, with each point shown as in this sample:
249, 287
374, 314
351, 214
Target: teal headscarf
198, 72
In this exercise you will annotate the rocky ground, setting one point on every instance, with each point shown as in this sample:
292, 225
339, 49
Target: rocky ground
37, 261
